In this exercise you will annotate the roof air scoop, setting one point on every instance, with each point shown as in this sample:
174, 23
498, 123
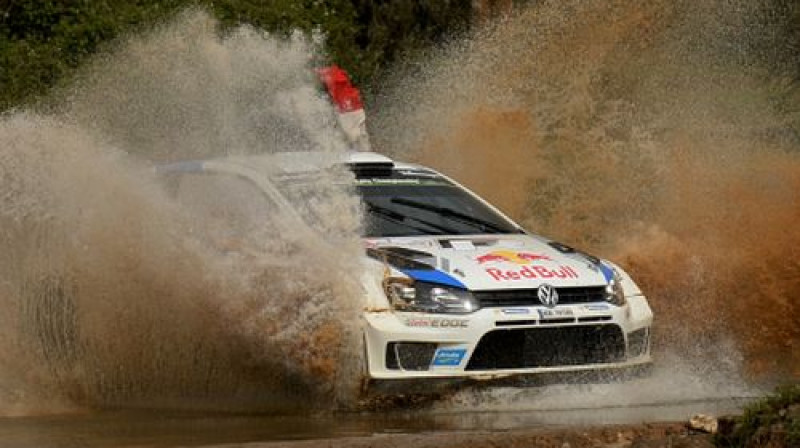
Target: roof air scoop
369, 164
367, 170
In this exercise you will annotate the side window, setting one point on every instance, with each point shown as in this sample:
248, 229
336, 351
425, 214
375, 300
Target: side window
232, 208
327, 204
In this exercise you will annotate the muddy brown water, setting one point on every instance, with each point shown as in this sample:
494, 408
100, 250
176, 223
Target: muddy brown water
163, 429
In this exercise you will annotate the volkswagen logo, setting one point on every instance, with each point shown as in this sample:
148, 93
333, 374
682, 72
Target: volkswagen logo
547, 295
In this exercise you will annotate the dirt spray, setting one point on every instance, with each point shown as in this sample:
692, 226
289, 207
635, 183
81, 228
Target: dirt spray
653, 134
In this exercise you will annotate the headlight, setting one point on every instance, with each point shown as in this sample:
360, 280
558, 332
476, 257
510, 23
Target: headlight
614, 292
407, 295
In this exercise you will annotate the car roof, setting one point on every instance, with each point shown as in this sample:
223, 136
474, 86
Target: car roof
289, 162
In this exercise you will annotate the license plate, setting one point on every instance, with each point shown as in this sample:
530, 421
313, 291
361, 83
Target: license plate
556, 313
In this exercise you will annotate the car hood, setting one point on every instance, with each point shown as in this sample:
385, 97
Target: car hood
490, 262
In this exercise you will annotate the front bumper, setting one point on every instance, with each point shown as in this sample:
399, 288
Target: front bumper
497, 342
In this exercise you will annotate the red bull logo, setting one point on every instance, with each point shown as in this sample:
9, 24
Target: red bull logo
511, 256
530, 268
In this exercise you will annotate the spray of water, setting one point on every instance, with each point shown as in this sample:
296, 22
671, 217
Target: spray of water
114, 294
645, 133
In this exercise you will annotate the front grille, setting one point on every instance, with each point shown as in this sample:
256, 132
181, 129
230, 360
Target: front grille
548, 347
529, 297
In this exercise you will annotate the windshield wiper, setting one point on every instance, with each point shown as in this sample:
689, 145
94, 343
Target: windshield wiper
449, 212
400, 218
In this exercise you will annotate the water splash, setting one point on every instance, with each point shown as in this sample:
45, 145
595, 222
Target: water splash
115, 295
648, 134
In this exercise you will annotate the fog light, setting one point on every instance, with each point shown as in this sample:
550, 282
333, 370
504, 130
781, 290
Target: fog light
638, 342
409, 355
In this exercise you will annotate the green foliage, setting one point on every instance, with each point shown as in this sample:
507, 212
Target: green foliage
43, 41
761, 419
388, 29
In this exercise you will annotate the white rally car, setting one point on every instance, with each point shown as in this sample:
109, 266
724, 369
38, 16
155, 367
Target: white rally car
453, 289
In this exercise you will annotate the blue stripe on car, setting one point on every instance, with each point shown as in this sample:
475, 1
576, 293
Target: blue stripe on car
433, 276
608, 273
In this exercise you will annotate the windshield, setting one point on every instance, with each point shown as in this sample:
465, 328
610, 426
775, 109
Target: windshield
408, 203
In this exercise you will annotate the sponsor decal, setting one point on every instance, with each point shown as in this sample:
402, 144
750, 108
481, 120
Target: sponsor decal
516, 311
531, 263
437, 323
510, 256
420, 174
462, 245
599, 307
530, 272
399, 182
387, 181
556, 313
449, 356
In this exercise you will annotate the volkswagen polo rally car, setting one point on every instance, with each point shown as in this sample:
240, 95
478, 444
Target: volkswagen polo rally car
454, 289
